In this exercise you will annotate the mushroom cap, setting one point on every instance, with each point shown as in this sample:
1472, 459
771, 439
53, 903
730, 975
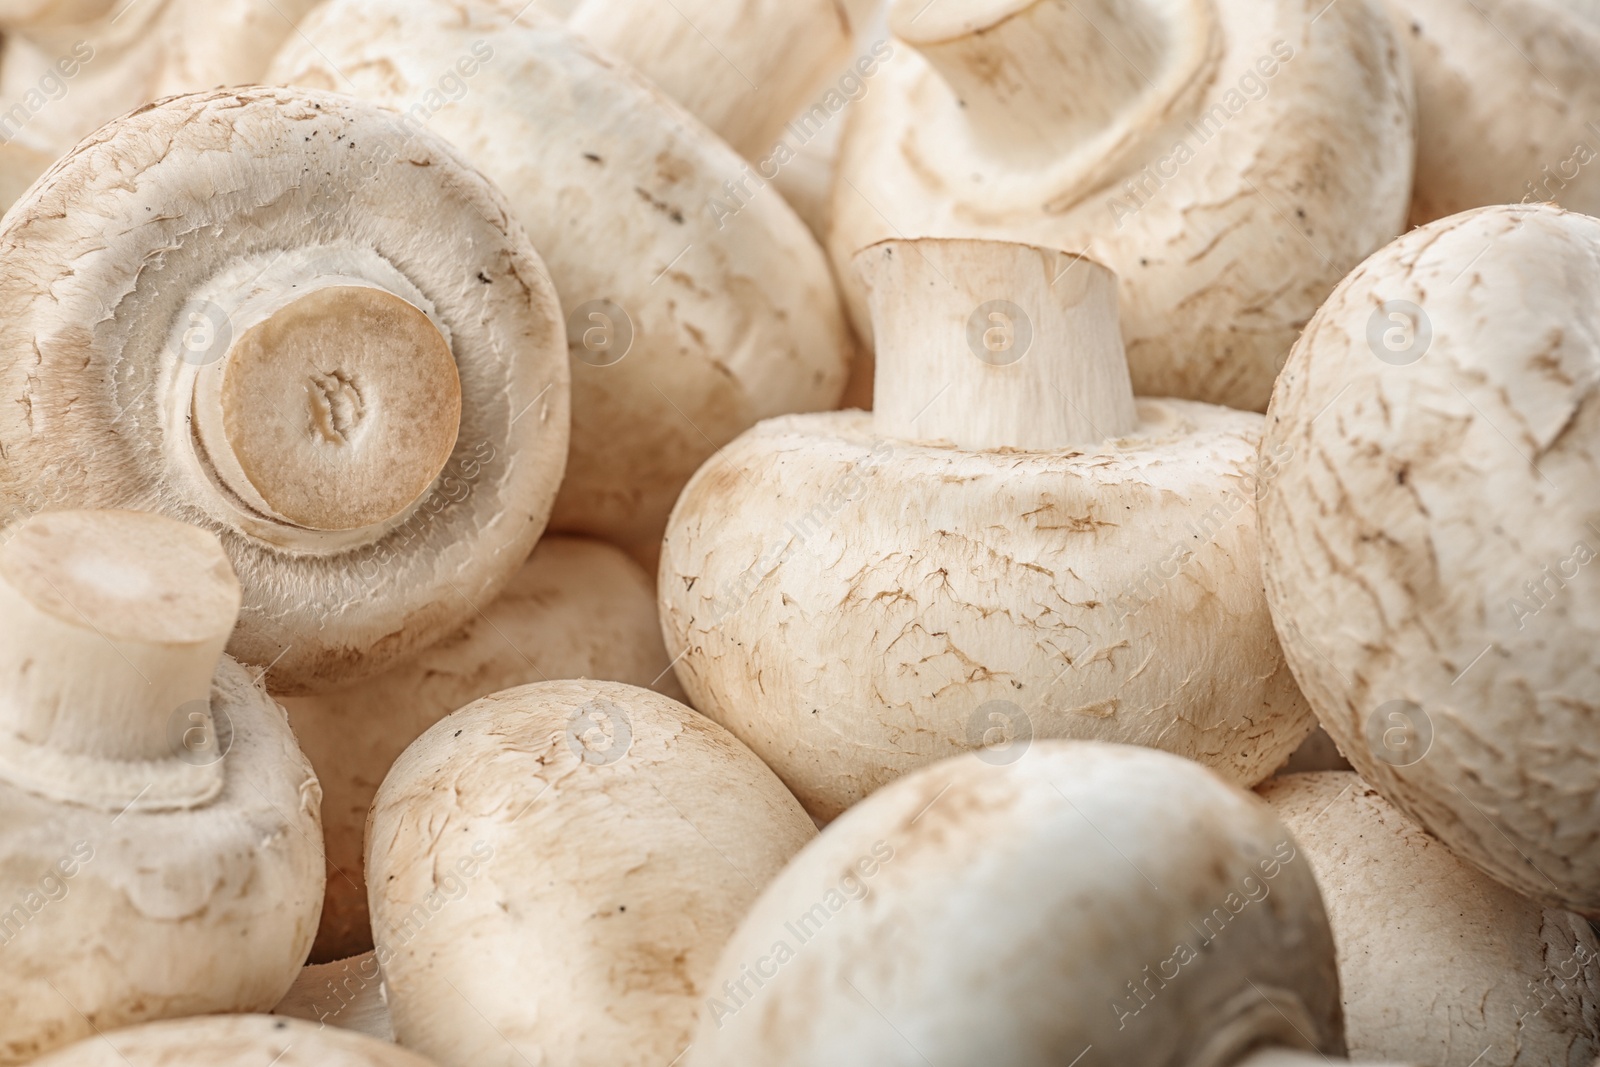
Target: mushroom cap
1515, 74
854, 607
1437, 962
233, 1041
1087, 895
1225, 246
129, 269
608, 840
684, 327
168, 913
577, 609
1443, 415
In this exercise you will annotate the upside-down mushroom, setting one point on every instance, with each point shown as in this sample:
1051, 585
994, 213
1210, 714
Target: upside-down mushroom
553, 870
1229, 159
1010, 546
1428, 550
233, 1041
230, 308
160, 853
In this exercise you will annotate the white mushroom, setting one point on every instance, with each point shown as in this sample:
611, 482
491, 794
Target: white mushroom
683, 331
1090, 904
1508, 103
232, 1041
1428, 549
553, 870
1437, 962
1229, 159
576, 609
1009, 546
232, 309
159, 847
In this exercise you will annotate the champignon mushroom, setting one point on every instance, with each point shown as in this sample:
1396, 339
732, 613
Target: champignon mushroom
67, 66
1427, 549
577, 609
685, 327
1090, 903
553, 870
1229, 159
229, 308
1009, 546
159, 847
744, 68
233, 1041
346, 993
1507, 103
1437, 962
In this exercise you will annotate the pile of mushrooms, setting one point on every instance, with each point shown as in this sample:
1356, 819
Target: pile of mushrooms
743, 532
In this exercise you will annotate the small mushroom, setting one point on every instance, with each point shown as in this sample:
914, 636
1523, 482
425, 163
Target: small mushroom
160, 853
230, 308
1428, 551
1437, 962
553, 870
1229, 159
1507, 103
577, 609
232, 1041
1009, 547
1089, 904
685, 327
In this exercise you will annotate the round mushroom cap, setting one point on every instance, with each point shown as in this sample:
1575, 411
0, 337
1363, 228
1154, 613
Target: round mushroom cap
231, 308
233, 1041
554, 868
1427, 550
1230, 190
690, 315
1437, 962
854, 607
1104, 903
577, 609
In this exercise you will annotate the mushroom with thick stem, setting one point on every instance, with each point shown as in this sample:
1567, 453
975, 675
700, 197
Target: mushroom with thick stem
232, 309
1438, 962
1089, 904
1010, 546
159, 842
553, 870
684, 328
1229, 159
577, 609
232, 1041
1427, 550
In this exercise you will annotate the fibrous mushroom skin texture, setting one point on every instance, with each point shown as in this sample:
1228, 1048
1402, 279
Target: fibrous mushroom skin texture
233, 1041
553, 870
682, 332
1427, 552
1229, 160
1087, 900
1515, 74
231, 308
1438, 963
577, 609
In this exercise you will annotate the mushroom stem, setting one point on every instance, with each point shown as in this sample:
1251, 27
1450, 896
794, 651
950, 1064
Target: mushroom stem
111, 626
1038, 78
992, 344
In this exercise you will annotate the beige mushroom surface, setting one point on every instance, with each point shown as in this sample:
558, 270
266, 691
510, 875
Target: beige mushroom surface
232, 1041
577, 609
160, 853
228, 308
1230, 160
554, 868
1438, 963
1428, 550
682, 332
1008, 547
346, 993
